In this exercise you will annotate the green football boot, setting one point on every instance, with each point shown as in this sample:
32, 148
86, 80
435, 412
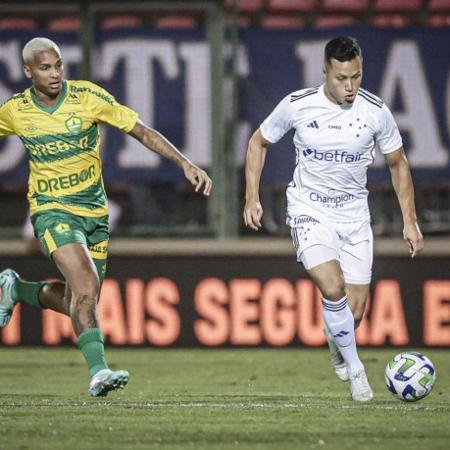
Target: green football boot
7, 280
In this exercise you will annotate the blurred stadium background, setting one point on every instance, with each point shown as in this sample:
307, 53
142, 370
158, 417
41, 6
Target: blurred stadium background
184, 271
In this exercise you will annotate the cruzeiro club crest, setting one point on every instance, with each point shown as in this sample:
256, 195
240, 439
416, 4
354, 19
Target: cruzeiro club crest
74, 124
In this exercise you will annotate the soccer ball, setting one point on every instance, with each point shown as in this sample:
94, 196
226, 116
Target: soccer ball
410, 376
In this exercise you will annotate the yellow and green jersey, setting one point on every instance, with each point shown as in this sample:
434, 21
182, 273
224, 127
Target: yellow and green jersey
63, 143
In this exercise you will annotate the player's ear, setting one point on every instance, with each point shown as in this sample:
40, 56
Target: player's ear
27, 71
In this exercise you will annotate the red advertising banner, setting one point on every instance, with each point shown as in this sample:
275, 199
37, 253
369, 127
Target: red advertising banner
240, 301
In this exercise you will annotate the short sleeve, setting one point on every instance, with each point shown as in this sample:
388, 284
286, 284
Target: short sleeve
6, 122
279, 122
388, 137
108, 110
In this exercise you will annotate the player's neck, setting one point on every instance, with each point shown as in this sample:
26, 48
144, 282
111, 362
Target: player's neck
46, 99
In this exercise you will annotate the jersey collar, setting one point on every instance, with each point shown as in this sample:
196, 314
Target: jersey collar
50, 109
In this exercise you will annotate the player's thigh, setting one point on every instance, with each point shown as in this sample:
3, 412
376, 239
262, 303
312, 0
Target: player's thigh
55, 229
356, 257
63, 237
329, 279
97, 240
315, 242
75, 263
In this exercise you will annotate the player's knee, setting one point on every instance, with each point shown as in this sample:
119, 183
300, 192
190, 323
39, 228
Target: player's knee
87, 285
334, 291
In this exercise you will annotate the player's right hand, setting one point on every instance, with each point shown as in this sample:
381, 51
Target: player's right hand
199, 178
252, 214
413, 236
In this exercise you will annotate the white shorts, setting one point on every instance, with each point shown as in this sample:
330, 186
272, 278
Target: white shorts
317, 240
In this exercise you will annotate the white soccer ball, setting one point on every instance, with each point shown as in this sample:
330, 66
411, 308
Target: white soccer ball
410, 376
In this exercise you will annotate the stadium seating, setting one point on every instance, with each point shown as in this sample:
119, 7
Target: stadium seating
390, 21
282, 14
292, 6
121, 21
281, 22
401, 6
345, 6
176, 21
439, 5
18, 23
246, 6
68, 23
335, 21
438, 20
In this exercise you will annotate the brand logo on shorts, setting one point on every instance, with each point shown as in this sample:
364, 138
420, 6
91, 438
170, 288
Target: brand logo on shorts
301, 220
62, 228
337, 156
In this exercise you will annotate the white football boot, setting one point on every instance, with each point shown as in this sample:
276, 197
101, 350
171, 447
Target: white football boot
360, 389
339, 366
7, 280
107, 380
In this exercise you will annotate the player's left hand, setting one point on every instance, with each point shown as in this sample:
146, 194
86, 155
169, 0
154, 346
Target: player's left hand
413, 236
199, 178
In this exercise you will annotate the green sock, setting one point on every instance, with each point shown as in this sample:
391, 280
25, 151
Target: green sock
28, 292
90, 342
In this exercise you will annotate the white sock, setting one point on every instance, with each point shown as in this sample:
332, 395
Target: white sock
340, 322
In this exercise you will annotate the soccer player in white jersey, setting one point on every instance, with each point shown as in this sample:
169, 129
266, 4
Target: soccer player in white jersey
337, 126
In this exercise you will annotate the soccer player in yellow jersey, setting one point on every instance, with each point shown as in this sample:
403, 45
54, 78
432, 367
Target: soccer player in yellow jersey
57, 121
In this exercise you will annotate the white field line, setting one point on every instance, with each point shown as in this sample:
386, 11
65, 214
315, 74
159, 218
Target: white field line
404, 407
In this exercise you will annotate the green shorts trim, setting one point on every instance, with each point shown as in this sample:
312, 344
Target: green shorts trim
56, 228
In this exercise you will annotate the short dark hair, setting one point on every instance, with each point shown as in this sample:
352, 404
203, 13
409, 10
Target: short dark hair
342, 48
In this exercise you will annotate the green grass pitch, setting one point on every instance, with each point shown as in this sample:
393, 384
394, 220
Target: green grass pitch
213, 399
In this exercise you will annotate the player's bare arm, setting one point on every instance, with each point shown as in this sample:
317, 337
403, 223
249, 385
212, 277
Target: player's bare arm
156, 142
403, 185
256, 156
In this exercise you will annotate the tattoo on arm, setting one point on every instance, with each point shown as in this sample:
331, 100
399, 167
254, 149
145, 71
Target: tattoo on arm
156, 142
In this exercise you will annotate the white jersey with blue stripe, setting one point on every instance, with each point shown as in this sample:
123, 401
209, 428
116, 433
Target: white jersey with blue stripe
334, 146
